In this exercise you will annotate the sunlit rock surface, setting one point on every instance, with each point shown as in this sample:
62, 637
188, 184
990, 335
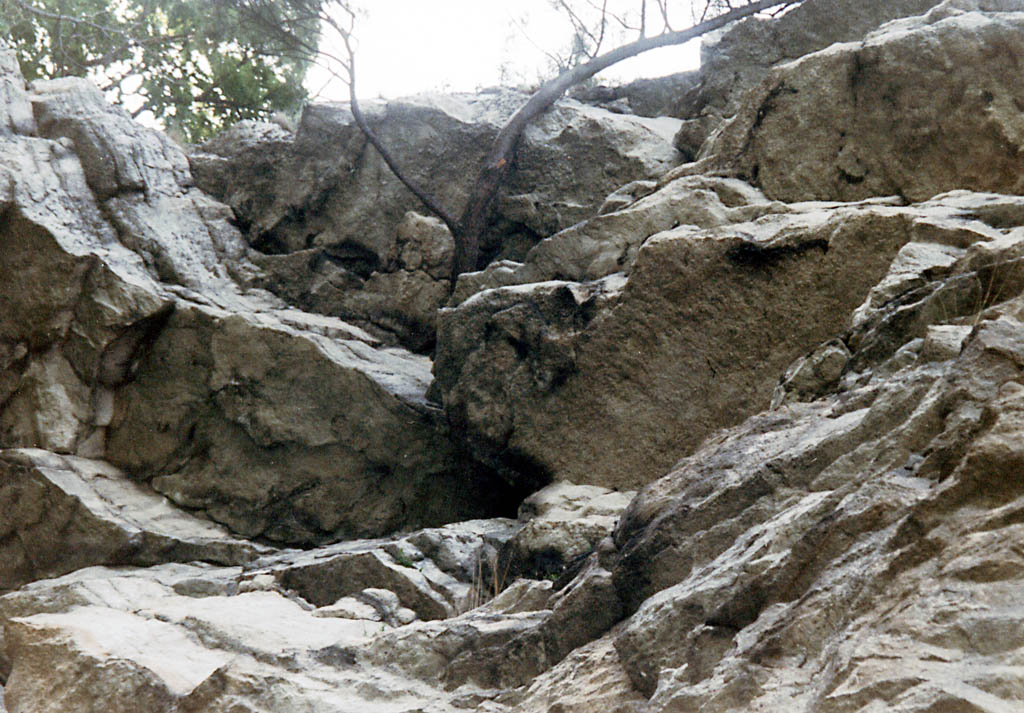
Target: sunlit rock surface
692, 340
129, 332
921, 106
819, 403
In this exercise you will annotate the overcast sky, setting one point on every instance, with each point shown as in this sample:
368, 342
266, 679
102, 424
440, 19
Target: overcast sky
410, 46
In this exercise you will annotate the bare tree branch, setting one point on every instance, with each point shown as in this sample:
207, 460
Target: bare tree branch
498, 164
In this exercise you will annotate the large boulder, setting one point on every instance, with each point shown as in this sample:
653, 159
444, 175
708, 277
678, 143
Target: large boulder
658, 96
63, 513
325, 194
325, 187
813, 526
334, 437
735, 59
129, 333
924, 105
610, 382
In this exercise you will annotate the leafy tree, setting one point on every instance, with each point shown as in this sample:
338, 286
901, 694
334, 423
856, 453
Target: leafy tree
196, 65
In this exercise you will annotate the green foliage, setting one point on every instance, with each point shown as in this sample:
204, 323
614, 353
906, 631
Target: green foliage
197, 65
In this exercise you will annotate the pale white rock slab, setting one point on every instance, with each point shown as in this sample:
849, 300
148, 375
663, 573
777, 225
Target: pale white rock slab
65, 513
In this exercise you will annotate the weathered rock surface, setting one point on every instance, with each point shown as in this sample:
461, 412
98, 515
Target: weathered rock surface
834, 571
608, 243
16, 112
128, 334
328, 213
561, 523
334, 436
737, 58
661, 96
924, 105
542, 374
850, 543
309, 631
398, 302
63, 513
273, 183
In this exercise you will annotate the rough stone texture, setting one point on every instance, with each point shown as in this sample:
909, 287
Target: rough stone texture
125, 335
15, 109
65, 513
737, 58
864, 555
924, 105
854, 548
542, 374
562, 522
329, 214
334, 436
398, 304
435, 573
660, 96
571, 158
608, 243
589, 679
191, 637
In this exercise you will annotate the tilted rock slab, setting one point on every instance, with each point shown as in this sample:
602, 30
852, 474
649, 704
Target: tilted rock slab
127, 334
62, 513
610, 382
924, 105
855, 547
268, 636
287, 434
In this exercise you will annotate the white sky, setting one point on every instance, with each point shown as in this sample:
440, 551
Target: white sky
410, 46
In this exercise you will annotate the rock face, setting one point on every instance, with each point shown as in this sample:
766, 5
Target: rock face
662, 96
868, 516
922, 106
323, 200
533, 370
54, 501
689, 343
736, 58
128, 333
819, 403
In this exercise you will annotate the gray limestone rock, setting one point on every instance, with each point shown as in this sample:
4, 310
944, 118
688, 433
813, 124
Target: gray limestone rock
562, 522
128, 333
398, 302
659, 96
330, 217
737, 58
63, 513
541, 374
922, 106
15, 109
855, 548
334, 436
328, 189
